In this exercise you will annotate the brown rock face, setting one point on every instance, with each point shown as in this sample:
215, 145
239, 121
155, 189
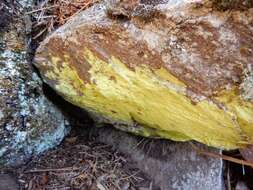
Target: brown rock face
224, 5
156, 49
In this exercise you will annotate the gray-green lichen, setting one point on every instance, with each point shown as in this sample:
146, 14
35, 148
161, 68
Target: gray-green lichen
29, 122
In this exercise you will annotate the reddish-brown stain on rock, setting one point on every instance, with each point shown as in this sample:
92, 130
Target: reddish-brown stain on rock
208, 51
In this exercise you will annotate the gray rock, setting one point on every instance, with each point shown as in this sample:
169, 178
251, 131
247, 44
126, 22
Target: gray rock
8, 182
29, 122
172, 165
241, 186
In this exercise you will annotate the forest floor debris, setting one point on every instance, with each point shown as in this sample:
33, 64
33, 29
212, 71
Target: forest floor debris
49, 14
80, 163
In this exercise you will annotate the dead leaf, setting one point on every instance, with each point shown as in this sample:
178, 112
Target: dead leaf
71, 140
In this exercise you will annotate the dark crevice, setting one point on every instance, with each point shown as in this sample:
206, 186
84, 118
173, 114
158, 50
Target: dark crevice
77, 117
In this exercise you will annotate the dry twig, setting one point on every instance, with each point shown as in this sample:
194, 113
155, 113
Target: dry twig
224, 157
53, 170
80, 166
50, 14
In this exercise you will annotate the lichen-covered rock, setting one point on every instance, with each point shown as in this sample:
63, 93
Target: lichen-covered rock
29, 123
169, 69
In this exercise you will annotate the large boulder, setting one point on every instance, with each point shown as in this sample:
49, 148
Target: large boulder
180, 70
29, 122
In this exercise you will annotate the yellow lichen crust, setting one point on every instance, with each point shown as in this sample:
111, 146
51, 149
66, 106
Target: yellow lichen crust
155, 100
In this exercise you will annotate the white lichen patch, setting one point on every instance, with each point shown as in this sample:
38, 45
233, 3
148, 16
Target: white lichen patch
214, 20
20, 136
247, 85
49, 140
154, 40
2, 151
25, 3
228, 37
1, 115
9, 63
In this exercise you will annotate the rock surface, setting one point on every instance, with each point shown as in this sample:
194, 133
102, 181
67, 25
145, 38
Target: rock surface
29, 123
8, 182
172, 165
169, 69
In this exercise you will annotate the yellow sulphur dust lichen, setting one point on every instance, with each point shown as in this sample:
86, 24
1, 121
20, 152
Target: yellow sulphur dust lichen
155, 100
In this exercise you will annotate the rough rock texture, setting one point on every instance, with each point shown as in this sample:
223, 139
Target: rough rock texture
174, 69
224, 5
29, 123
8, 182
172, 165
